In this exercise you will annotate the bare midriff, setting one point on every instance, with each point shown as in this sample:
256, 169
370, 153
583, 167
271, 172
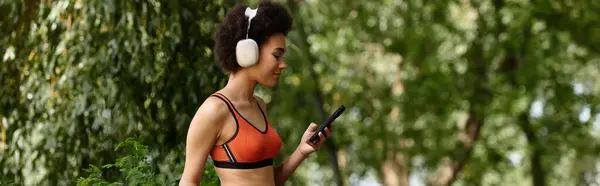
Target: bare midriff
263, 176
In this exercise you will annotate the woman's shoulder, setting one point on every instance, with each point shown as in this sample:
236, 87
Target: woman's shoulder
212, 109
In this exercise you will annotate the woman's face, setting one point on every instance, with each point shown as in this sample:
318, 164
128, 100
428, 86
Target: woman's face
270, 61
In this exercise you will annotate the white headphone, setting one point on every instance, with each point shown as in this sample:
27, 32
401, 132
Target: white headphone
246, 50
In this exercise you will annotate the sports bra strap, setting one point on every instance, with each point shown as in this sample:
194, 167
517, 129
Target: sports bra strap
232, 107
227, 102
223, 98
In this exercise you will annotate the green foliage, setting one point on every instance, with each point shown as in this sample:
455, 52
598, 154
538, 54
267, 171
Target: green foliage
76, 82
135, 168
417, 77
210, 177
5, 181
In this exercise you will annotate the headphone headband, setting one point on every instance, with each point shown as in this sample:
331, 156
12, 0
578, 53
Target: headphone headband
250, 13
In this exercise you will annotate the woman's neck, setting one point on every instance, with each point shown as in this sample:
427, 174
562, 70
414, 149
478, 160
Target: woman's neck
240, 87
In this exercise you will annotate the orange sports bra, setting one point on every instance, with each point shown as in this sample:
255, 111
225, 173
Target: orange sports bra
249, 147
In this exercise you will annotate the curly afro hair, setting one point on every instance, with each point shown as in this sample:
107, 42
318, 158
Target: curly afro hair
271, 18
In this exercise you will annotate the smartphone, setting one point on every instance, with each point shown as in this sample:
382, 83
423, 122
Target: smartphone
315, 137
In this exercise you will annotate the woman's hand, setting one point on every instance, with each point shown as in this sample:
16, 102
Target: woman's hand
306, 147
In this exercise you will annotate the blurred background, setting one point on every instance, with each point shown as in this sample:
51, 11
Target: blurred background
439, 92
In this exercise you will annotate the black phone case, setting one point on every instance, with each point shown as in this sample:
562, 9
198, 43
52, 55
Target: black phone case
315, 137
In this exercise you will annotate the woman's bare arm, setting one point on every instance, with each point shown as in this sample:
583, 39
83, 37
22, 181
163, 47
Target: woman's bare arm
202, 135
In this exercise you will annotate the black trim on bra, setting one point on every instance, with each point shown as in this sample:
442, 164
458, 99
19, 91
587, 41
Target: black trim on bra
237, 125
249, 123
264, 115
243, 165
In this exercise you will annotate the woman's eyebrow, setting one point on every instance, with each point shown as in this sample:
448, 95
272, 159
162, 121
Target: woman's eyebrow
282, 50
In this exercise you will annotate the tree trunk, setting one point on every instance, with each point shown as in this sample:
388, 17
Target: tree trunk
510, 65
394, 171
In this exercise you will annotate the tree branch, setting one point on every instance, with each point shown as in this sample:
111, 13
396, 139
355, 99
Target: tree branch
474, 127
479, 98
475, 119
510, 66
536, 156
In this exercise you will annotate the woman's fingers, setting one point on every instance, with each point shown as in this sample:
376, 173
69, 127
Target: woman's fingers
322, 138
327, 132
323, 135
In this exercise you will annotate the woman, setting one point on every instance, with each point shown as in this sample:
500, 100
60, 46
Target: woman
231, 125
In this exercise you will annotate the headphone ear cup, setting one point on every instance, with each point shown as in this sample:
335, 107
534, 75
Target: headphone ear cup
246, 52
